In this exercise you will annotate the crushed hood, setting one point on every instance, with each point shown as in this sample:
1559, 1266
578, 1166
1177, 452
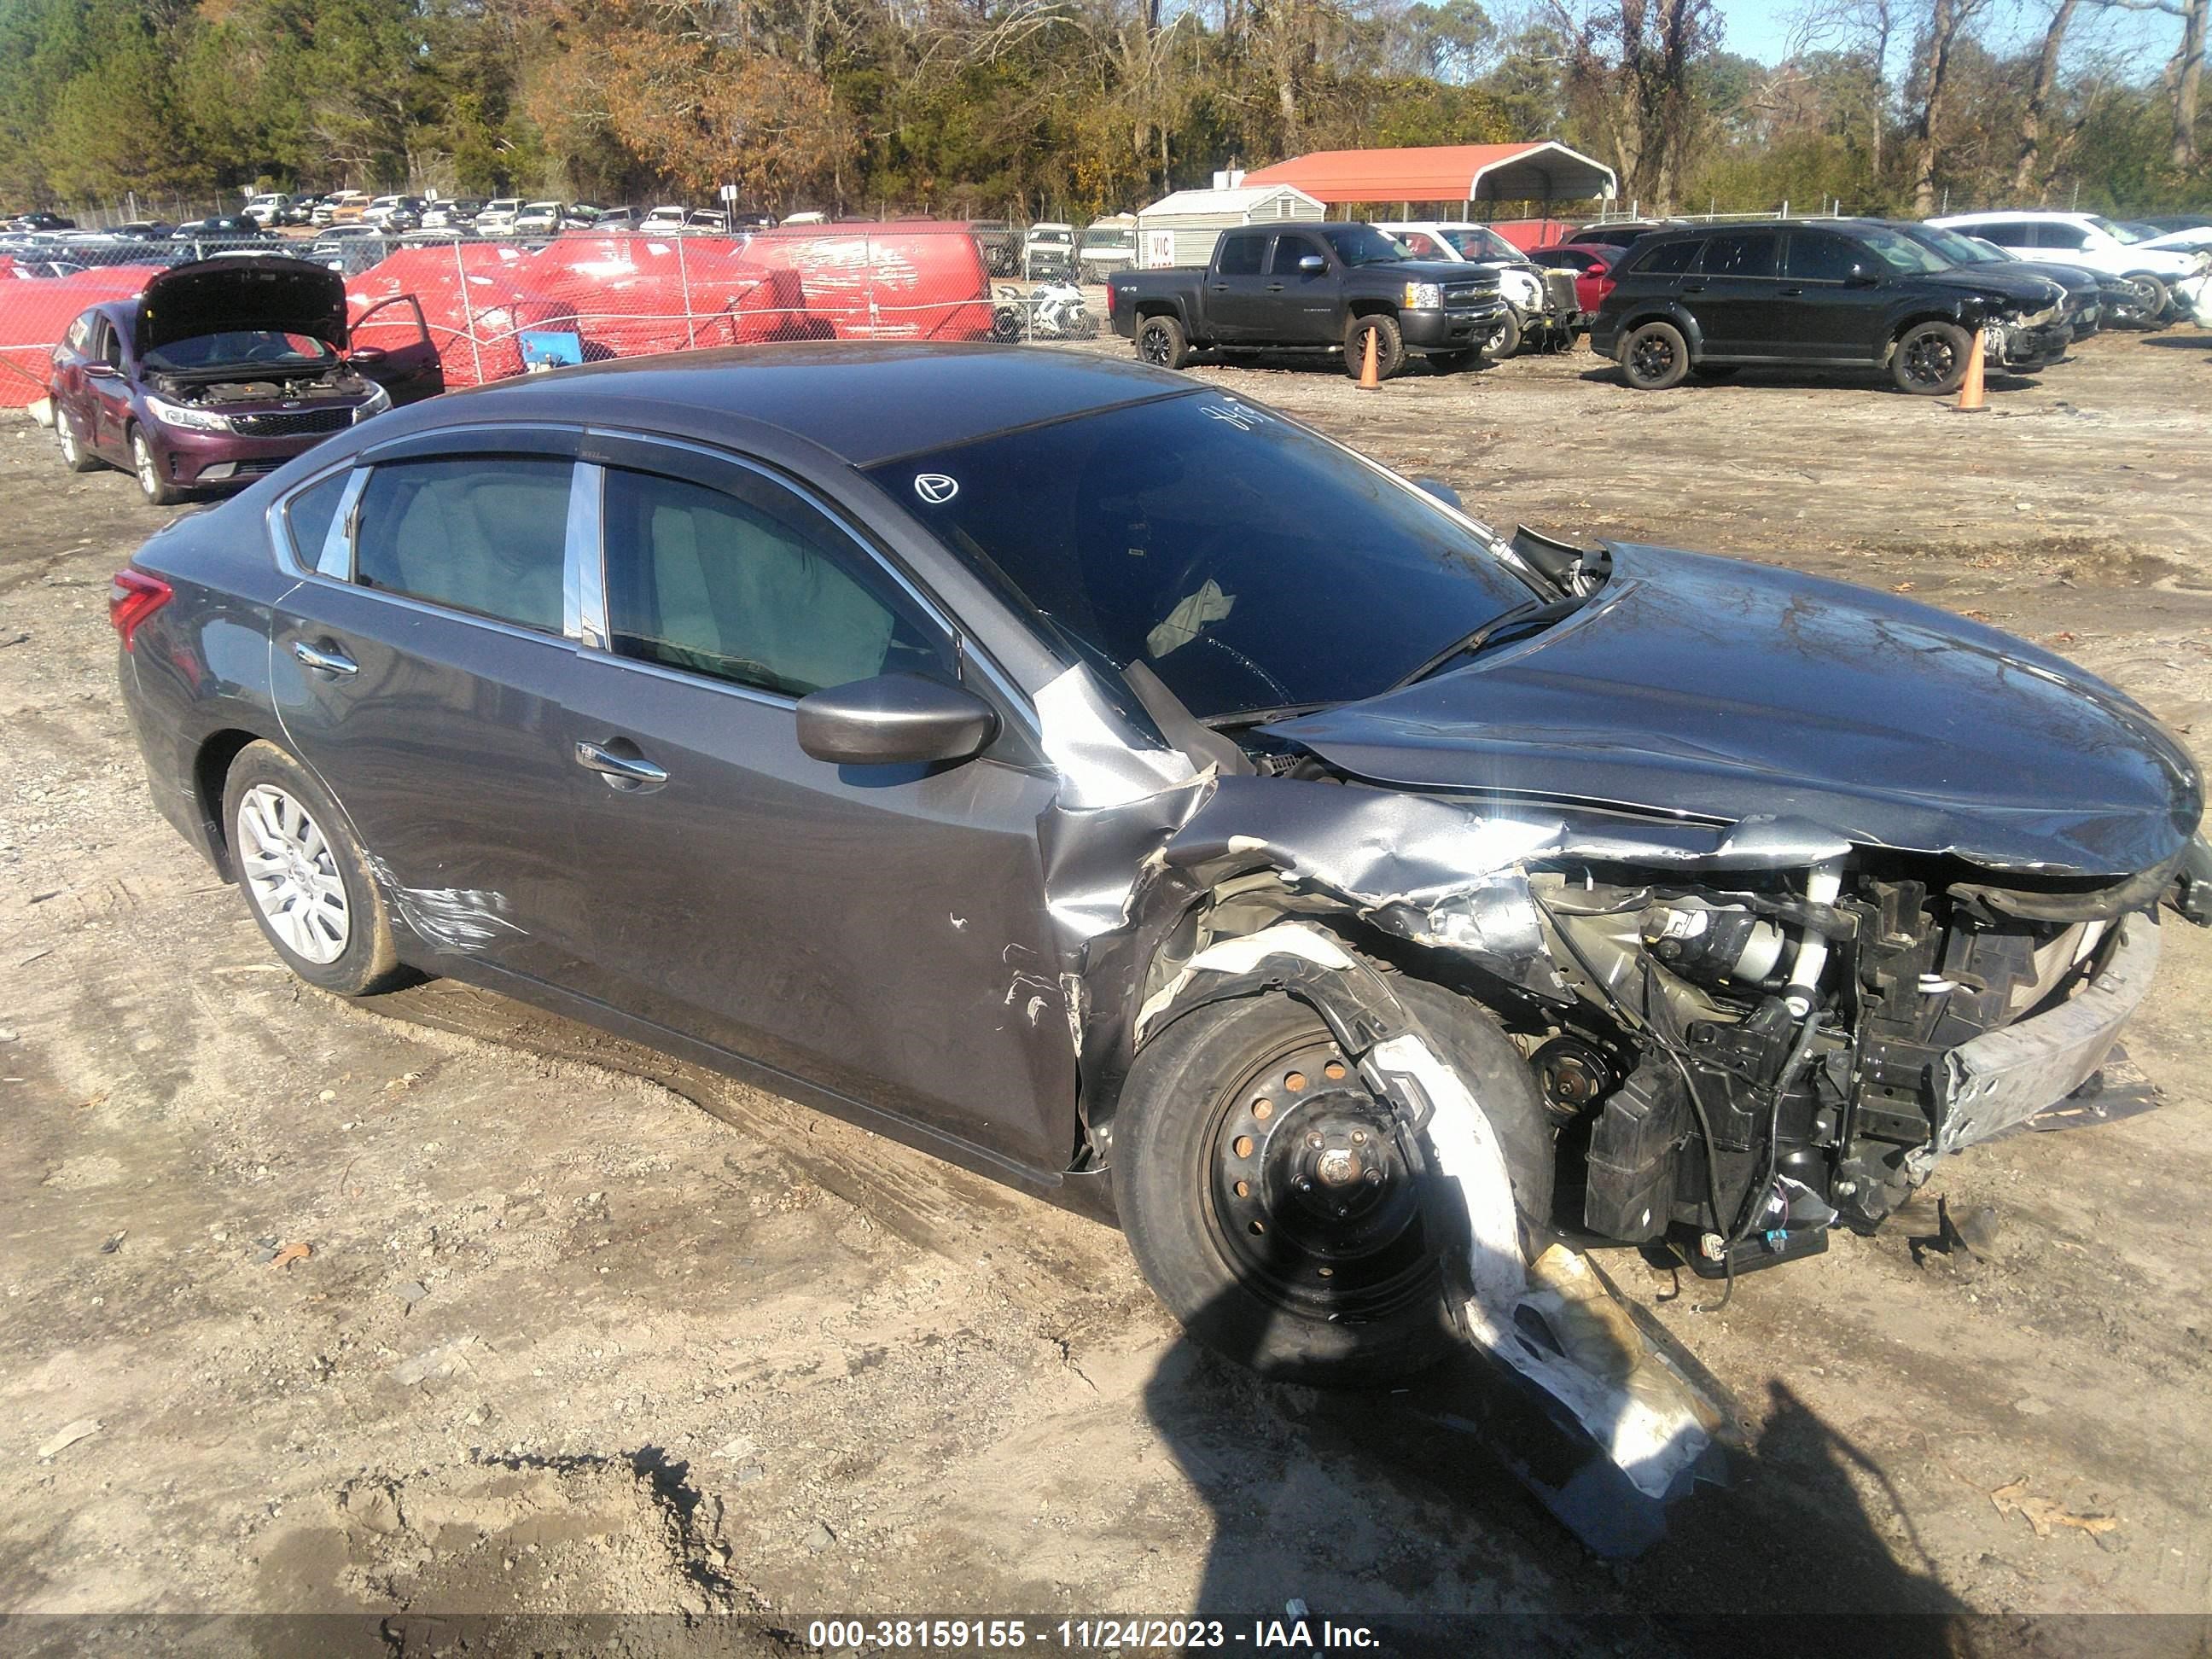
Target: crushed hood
223, 296
1712, 689
2024, 285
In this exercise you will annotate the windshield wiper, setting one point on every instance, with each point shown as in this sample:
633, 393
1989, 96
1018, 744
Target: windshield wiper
1534, 613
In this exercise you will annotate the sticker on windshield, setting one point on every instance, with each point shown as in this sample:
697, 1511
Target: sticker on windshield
1244, 418
935, 488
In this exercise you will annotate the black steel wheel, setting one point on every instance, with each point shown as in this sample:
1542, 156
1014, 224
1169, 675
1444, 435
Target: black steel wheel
1273, 1206
1654, 357
1930, 359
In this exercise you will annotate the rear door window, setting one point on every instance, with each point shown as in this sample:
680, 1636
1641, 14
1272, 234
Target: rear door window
2005, 232
753, 587
487, 534
2061, 236
1669, 258
1242, 253
1743, 253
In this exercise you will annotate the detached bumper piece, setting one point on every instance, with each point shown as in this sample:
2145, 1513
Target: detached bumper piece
2004, 1078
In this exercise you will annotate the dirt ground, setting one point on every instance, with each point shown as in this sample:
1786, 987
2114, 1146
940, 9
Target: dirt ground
568, 1341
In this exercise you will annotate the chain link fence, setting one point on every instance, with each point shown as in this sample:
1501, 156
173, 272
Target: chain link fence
496, 306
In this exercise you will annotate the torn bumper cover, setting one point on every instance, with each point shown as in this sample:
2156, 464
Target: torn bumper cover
2004, 1077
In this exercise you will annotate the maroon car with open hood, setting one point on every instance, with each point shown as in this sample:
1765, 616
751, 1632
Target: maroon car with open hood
222, 370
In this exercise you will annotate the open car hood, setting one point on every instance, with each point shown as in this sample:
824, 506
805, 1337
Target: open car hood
223, 296
1714, 689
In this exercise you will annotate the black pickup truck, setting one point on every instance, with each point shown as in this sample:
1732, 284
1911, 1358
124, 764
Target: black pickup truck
1325, 286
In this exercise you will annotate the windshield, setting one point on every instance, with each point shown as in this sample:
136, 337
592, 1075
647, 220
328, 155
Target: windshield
1361, 245
1052, 236
1250, 564
260, 346
1474, 242
1900, 251
1110, 239
1958, 250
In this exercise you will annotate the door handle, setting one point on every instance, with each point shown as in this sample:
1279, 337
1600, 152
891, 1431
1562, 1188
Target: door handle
1793, 293
1221, 288
1275, 287
332, 661
632, 773
1693, 287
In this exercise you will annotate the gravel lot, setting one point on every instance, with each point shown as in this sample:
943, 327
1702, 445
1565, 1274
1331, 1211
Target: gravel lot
582, 1329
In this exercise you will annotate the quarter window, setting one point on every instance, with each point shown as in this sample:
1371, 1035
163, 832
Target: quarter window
1669, 258
1241, 255
488, 534
760, 591
1817, 258
1743, 253
309, 516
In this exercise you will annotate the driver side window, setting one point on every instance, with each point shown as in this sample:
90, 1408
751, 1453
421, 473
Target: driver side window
757, 590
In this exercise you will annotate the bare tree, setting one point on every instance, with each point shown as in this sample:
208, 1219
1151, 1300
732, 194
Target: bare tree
2036, 111
1947, 20
2185, 73
1629, 62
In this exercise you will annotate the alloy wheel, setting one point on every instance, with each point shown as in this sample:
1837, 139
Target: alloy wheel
292, 875
1653, 356
1153, 347
142, 463
1928, 360
1311, 1198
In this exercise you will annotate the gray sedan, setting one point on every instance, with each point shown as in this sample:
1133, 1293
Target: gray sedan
1112, 785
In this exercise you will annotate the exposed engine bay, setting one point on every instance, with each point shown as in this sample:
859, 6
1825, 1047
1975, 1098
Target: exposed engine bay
250, 383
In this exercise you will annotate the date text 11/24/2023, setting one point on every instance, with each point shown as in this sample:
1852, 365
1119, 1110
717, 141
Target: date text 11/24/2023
1299, 1632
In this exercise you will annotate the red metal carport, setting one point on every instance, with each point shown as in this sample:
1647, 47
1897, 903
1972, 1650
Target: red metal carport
1446, 176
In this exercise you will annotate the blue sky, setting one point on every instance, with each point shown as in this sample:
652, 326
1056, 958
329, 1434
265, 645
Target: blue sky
1761, 29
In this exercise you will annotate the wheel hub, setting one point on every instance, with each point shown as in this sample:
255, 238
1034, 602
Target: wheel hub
1314, 1203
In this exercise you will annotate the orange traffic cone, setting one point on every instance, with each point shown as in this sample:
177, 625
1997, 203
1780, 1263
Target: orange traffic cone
1971, 397
1368, 379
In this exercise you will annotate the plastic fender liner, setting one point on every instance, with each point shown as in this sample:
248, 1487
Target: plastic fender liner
1567, 1338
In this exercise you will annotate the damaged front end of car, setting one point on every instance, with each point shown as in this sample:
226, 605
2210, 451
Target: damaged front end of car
1746, 1030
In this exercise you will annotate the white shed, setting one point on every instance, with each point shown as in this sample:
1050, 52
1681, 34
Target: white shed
1181, 229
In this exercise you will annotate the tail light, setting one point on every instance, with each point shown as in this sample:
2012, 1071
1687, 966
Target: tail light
132, 597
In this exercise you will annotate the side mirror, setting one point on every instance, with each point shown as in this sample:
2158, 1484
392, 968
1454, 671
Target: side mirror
366, 356
1437, 488
894, 719
102, 372
1312, 264
1860, 276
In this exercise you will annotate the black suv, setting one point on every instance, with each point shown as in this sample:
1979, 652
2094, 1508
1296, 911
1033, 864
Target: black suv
1851, 293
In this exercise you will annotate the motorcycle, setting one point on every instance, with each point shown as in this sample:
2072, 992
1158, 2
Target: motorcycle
1051, 310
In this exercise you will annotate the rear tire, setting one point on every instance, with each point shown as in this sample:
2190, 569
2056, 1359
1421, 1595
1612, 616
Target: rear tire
1654, 357
307, 884
1162, 342
1389, 346
1930, 359
1209, 1143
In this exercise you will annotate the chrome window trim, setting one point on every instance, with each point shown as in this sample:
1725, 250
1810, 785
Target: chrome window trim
335, 558
687, 676
963, 647
275, 518
583, 577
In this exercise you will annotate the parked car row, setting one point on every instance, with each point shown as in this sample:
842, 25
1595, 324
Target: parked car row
1670, 300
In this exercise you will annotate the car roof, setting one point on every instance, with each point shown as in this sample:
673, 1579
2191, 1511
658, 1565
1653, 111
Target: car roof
864, 402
